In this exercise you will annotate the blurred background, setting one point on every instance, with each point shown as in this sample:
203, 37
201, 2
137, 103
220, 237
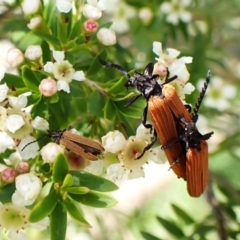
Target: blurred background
158, 206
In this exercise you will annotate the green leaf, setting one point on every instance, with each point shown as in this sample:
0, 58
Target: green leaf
47, 54
60, 168
68, 181
47, 37
96, 103
13, 81
74, 212
6, 192
44, 207
76, 190
118, 86
95, 199
40, 108
149, 236
58, 221
171, 227
92, 182
30, 79
108, 110
182, 214
96, 65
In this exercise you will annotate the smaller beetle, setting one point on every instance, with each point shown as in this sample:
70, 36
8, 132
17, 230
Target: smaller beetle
78, 144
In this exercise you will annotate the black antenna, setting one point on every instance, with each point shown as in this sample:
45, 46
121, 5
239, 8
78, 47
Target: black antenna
200, 98
113, 65
43, 137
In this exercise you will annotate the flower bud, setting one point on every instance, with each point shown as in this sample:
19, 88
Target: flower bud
106, 36
50, 152
145, 14
90, 26
23, 167
30, 6
40, 124
48, 87
91, 12
9, 175
64, 5
14, 57
35, 23
33, 52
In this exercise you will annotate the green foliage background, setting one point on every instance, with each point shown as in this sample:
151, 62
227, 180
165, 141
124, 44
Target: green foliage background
171, 213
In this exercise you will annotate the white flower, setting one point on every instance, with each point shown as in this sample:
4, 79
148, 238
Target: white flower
95, 167
113, 142
35, 22
5, 142
14, 122
50, 151
3, 91
40, 124
30, 6
176, 11
100, 4
33, 52
28, 187
106, 36
64, 5
145, 14
30, 151
117, 173
63, 71
91, 12
14, 57
18, 102
218, 93
2, 72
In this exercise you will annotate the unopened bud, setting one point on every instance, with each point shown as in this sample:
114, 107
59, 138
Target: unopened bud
48, 87
15, 57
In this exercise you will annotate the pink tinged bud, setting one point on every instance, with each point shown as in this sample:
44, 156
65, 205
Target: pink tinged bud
50, 151
33, 52
14, 57
160, 69
90, 26
9, 175
23, 167
106, 36
48, 87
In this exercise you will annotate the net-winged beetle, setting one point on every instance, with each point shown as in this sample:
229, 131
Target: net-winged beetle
78, 144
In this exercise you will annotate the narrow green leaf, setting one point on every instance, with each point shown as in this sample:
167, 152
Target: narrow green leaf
30, 79
40, 108
95, 199
93, 108
6, 192
68, 181
93, 182
47, 54
76, 190
108, 110
118, 87
47, 37
44, 207
171, 227
60, 168
74, 212
13, 81
58, 221
149, 236
182, 214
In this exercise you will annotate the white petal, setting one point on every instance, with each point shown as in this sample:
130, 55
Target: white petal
18, 235
185, 60
14, 122
2, 72
30, 151
173, 53
136, 173
3, 91
91, 12
101, 5
95, 167
18, 199
185, 16
188, 88
40, 124
18, 102
157, 155
48, 67
79, 76
116, 172
157, 48
41, 225
5, 142
58, 55
62, 85
172, 18
144, 133
64, 5
165, 7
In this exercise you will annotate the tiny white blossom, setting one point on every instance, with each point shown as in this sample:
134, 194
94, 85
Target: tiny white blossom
145, 14
50, 151
14, 57
106, 36
64, 5
3, 91
5, 142
29, 151
28, 187
14, 122
18, 102
30, 6
40, 124
2, 72
113, 142
91, 12
63, 70
33, 52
